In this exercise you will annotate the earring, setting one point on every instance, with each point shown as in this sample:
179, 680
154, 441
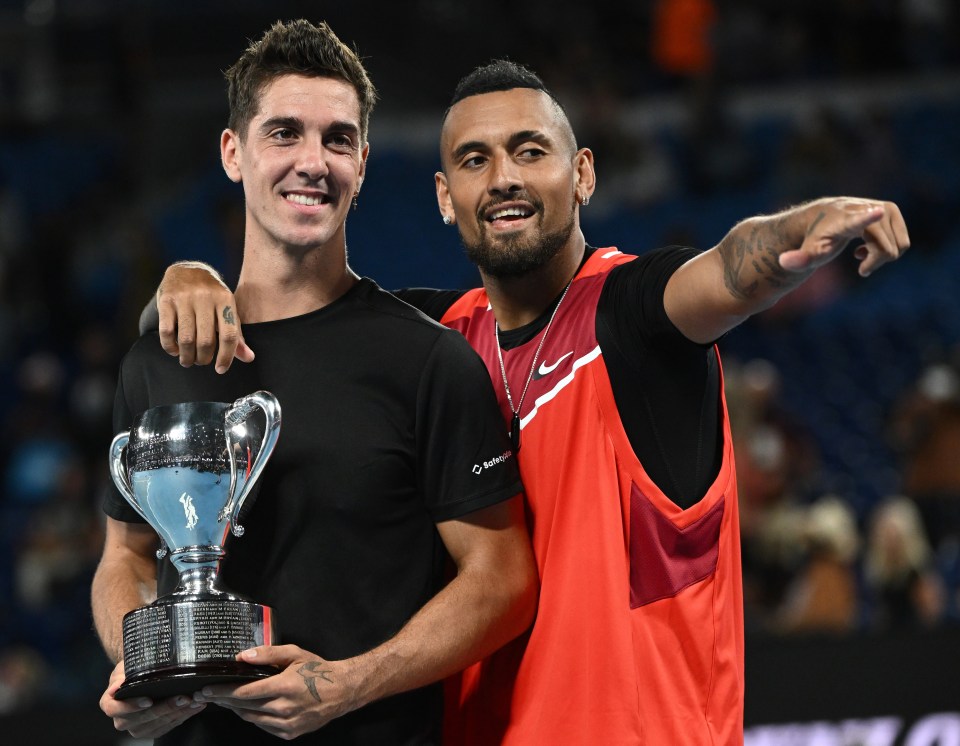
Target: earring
585, 201
354, 201
447, 220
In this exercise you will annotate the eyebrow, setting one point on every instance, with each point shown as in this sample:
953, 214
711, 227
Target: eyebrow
515, 139
297, 124
286, 122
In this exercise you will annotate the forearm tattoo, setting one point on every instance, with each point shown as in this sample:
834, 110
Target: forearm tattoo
751, 264
228, 315
311, 672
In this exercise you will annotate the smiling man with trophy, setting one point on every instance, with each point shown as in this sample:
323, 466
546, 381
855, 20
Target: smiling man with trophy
384, 545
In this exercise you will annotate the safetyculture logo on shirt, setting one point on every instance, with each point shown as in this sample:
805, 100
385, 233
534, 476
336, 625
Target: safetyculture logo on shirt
478, 468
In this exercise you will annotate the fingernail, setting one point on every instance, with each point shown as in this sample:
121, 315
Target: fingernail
249, 653
206, 691
144, 703
181, 701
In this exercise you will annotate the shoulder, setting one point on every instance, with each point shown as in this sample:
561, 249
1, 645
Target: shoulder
399, 323
656, 262
379, 301
434, 303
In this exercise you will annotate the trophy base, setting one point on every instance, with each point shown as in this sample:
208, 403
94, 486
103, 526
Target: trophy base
178, 647
186, 680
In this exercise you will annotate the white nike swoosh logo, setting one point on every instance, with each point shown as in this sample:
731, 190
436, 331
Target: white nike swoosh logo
545, 369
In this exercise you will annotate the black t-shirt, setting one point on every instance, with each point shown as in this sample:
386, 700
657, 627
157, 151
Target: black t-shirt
667, 388
385, 417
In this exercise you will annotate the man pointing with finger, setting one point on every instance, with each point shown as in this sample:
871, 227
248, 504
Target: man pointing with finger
609, 381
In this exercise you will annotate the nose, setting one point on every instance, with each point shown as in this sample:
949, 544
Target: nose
311, 162
504, 175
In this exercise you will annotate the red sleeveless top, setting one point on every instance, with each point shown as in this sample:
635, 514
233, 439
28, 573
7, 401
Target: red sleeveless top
639, 633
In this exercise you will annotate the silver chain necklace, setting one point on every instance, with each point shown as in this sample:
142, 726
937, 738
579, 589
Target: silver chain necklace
515, 420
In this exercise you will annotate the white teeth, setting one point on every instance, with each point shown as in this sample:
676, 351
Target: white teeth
302, 199
517, 211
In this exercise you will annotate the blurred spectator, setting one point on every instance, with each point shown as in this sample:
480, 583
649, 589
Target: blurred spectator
681, 43
925, 431
91, 392
777, 461
22, 676
904, 588
814, 155
824, 598
926, 32
777, 457
637, 171
40, 446
718, 159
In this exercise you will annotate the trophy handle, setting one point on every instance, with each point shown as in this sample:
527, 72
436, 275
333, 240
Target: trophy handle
120, 478
241, 410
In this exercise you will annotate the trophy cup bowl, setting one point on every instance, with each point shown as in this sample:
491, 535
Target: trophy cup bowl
187, 470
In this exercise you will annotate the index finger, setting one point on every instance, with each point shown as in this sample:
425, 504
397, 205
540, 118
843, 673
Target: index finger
167, 326
899, 227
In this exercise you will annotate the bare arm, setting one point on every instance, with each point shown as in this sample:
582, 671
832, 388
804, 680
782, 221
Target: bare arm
491, 600
763, 258
126, 579
196, 315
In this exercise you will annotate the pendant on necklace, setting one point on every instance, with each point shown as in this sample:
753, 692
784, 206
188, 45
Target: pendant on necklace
515, 432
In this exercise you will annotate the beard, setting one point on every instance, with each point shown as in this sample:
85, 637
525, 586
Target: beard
516, 255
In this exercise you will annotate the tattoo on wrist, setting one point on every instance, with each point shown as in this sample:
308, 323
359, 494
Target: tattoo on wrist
228, 315
759, 251
311, 672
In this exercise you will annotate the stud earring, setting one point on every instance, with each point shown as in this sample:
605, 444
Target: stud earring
447, 220
585, 201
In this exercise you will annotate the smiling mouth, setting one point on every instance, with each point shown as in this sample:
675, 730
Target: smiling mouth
510, 214
307, 200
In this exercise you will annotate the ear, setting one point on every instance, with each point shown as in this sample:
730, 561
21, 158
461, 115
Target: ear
363, 164
443, 197
586, 177
230, 155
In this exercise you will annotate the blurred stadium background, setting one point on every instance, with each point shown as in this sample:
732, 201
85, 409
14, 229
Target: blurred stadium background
845, 398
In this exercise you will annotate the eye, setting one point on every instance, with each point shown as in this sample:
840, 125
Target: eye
283, 134
340, 141
532, 152
473, 161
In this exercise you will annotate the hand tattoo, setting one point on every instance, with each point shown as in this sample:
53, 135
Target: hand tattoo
228, 315
816, 222
311, 672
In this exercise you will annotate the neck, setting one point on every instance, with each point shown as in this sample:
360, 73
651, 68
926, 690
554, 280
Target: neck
517, 301
281, 284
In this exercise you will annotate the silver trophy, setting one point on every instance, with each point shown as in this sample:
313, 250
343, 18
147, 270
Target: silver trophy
187, 470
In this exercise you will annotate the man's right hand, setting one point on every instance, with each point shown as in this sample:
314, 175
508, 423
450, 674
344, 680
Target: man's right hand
198, 315
139, 716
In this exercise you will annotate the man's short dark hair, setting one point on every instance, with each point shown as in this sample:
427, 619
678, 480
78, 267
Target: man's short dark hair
499, 75
294, 48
